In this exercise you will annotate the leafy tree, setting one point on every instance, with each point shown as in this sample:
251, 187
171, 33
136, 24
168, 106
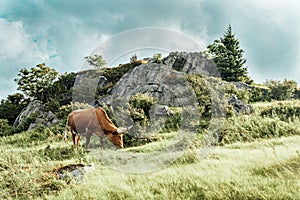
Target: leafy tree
157, 58
228, 57
60, 92
12, 106
282, 90
96, 60
36, 81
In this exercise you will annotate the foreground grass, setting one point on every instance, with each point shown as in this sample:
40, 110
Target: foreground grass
259, 170
268, 169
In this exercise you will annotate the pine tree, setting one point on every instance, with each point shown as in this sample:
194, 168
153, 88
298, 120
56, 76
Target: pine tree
228, 57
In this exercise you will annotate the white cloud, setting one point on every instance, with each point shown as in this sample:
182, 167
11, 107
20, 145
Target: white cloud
13, 40
17, 44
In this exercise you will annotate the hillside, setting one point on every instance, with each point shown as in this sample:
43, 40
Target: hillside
258, 167
195, 136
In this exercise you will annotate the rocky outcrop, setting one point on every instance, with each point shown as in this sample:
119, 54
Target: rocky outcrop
191, 63
167, 86
43, 117
33, 107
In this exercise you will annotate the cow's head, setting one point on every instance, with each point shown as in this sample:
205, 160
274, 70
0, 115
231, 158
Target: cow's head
117, 137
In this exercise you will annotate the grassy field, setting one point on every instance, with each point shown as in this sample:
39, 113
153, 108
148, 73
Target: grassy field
265, 168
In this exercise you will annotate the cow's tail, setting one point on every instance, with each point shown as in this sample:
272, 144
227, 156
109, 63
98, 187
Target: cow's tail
66, 130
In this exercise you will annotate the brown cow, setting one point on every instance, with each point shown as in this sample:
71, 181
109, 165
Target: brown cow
94, 120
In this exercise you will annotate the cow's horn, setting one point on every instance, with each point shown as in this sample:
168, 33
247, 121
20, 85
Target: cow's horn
123, 130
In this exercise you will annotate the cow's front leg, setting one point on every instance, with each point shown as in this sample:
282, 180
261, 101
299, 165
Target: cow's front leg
101, 142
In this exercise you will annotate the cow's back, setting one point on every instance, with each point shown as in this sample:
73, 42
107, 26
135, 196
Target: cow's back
82, 119
91, 119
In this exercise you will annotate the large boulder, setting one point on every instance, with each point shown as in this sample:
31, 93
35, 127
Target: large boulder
86, 83
168, 86
43, 117
34, 106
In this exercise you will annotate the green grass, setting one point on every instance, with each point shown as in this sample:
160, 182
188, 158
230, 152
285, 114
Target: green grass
263, 166
262, 170
267, 169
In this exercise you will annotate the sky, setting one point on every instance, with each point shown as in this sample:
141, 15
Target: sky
61, 33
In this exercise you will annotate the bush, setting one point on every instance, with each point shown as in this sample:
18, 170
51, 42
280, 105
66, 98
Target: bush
11, 107
139, 108
284, 111
64, 110
172, 122
258, 94
203, 95
246, 128
241, 94
282, 90
5, 128
206, 89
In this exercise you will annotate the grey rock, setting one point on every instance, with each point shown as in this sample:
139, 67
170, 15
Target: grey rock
242, 86
160, 111
46, 118
86, 84
33, 107
75, 172
191, 63
239, 106
167, 86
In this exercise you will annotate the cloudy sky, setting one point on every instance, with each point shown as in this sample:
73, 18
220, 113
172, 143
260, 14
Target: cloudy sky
61, 33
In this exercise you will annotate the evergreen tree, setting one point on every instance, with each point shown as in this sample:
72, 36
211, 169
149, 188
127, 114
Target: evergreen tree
228, 57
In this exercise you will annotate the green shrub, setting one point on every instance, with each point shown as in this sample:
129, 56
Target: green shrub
203, 95
5, 128
258, 94
140, 105
130, 140
282, 90
172, 122
157, 58
64, 110
284, 111
241, 94
247, 128
62, 153
207, 89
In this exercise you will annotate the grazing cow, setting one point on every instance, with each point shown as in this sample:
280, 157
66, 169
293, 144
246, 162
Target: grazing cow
94, 120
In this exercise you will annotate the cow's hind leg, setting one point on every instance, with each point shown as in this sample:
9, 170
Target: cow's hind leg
73, 137
88, 138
